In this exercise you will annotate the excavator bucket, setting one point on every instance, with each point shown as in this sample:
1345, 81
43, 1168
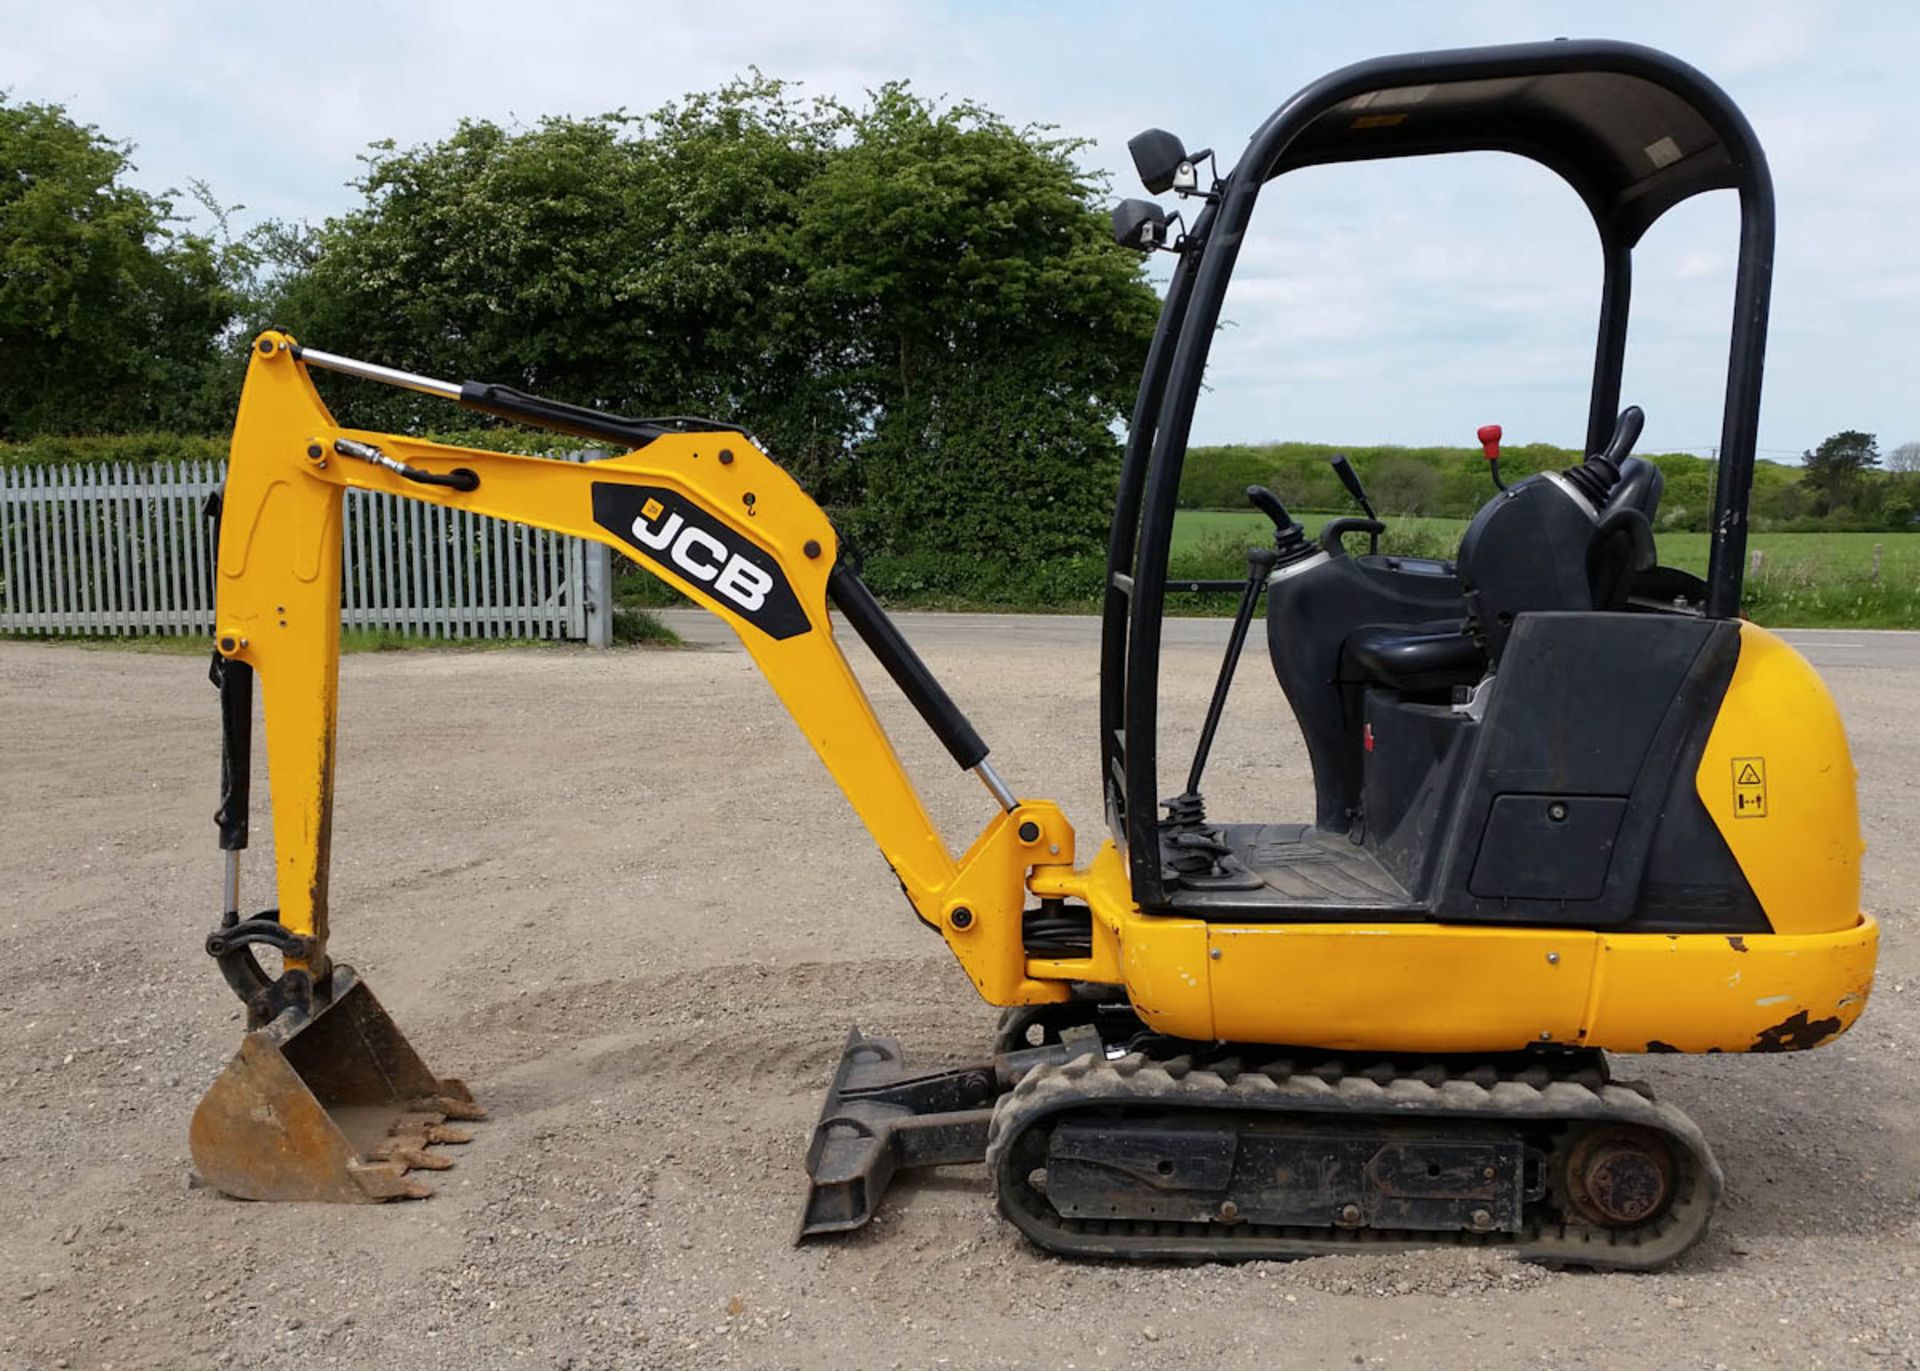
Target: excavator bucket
335, 1107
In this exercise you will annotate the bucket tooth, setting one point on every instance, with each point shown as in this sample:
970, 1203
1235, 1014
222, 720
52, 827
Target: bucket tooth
431, 1128
431, 1132
387, 1180
456, 1104
334, 1107
412, 1154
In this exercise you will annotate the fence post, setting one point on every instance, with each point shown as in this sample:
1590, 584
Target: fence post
1876, 564
1753, 566
598, 585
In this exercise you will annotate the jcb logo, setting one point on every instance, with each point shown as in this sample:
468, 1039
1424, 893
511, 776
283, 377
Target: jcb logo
670, 531
702, 556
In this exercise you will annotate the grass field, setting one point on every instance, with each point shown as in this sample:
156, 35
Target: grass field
1805, 580
1842, 554
1193, 528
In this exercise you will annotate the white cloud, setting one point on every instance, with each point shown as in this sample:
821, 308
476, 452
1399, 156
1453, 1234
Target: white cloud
1406, 302
1763, 37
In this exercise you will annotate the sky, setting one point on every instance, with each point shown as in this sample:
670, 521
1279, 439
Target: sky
1402, 302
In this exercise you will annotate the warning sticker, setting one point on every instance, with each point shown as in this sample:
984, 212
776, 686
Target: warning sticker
1749, 787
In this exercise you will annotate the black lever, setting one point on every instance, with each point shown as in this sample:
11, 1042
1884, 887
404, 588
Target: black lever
1351, 480
1489, 436
1260, 564
1289, 539
1269, 504
1599, 474
505, 402
852, 598
1626, 432
1333, 534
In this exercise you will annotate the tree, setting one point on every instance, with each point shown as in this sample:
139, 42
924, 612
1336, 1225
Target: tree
995, 330
1834, 469
1403, 485
873, 291
637, 264
1901, 506
111, 315
1905, 458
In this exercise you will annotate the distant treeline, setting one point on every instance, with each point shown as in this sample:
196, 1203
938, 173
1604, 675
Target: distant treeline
1453, 482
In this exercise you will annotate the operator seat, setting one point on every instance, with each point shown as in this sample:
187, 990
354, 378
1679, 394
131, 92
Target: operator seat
1561, 540
1569, 540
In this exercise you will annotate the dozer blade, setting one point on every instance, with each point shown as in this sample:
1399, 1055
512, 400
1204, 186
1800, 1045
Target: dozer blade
336, 1107
880, 1118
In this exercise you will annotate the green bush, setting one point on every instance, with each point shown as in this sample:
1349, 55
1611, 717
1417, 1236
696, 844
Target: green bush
1221, 556
49, 450
112, 315
899, 284
132, 448
637, 626
985, 471
930, 579
1450, 481
1453, 482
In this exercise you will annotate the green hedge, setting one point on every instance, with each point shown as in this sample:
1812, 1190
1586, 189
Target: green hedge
136, 448
1452, 482
141, 448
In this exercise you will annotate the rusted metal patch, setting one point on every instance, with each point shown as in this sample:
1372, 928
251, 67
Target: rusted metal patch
1796, 1034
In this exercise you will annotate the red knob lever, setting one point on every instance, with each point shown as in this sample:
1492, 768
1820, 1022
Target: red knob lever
1489, 436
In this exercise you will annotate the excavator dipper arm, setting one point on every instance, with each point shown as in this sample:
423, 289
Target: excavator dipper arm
708, 513
326, 1099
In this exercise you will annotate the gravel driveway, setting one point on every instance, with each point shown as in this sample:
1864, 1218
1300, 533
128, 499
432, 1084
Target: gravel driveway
617, 893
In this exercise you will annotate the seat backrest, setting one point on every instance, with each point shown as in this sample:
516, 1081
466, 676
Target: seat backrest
1525, 550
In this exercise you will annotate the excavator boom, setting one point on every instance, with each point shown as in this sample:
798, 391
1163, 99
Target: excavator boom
707, 512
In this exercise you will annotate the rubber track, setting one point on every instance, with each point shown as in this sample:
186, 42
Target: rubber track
1136, 1081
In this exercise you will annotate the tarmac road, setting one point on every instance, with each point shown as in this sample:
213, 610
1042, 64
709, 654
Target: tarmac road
617, 893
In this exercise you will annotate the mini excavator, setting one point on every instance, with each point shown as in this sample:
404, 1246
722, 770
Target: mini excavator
1566, 802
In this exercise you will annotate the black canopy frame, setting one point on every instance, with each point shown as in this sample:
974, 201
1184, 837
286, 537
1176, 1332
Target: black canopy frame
1632, 130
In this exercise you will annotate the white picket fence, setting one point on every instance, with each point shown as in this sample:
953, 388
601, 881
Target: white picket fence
122, 548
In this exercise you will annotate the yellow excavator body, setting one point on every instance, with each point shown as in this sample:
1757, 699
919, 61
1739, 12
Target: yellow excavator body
330, 1102
1568, 804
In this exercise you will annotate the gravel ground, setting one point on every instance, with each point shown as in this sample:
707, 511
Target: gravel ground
617, 893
